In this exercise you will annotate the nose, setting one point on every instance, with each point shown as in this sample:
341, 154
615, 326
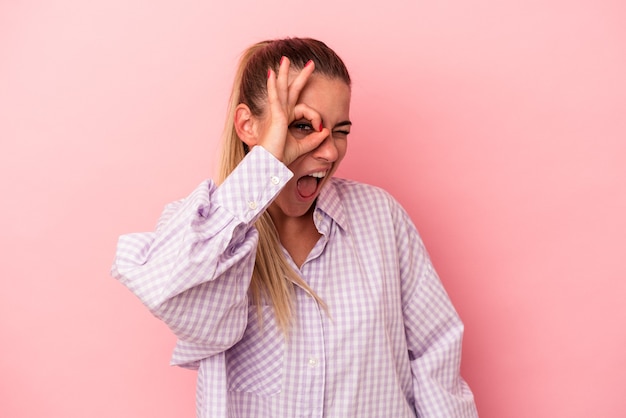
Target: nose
327, 150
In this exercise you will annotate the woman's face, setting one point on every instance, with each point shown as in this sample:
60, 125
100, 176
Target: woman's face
331, 99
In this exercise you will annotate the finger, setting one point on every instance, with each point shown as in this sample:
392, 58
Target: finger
303, 111
272, 93
295, 88
303, 140
273, 138
312, 141
282, 81
294, 148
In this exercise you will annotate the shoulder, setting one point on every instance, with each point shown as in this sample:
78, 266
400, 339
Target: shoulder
357, 195
370, 204
366, 204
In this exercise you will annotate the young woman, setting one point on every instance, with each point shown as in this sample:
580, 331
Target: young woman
292, 292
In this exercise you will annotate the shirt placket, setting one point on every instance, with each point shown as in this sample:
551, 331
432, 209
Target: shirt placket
314, 358
312, 341
313, 349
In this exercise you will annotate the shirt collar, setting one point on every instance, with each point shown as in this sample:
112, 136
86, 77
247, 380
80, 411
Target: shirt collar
329, 203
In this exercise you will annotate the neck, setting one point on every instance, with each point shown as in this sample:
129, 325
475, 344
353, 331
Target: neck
297, 234
290, 225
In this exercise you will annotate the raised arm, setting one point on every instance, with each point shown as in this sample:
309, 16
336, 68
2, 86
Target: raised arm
193, 272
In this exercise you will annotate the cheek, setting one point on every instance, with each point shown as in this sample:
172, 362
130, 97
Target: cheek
342, 149
341, 152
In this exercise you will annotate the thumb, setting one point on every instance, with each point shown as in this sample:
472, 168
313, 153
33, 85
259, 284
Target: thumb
306, 144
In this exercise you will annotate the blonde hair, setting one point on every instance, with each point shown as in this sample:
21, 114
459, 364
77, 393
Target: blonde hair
272, 278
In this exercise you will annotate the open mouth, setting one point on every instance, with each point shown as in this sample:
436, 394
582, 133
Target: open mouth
308, 185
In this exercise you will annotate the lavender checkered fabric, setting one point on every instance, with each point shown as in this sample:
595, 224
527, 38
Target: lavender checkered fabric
388, 346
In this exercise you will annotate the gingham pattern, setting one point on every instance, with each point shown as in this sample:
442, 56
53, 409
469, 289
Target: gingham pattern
389, 345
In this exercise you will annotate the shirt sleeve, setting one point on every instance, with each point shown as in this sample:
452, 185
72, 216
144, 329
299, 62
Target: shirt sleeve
434, 331
194, 270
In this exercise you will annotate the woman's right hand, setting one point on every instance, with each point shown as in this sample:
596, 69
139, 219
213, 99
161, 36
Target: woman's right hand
283, 92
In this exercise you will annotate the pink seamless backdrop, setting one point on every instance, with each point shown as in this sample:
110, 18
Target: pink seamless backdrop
499, 125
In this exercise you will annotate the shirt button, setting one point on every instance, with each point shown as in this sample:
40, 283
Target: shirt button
312, 362
252, 205
275, 180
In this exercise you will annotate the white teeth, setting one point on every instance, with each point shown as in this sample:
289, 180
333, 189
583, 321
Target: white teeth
318, 175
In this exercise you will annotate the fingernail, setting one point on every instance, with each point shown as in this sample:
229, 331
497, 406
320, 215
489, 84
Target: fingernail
281, 60
269, 73
321, 127
308, 63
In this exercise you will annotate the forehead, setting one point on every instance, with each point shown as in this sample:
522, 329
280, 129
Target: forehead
330, 97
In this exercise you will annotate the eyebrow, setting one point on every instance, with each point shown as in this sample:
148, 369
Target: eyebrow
344, 123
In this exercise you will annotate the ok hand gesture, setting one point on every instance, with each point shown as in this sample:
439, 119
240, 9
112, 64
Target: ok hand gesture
284, 109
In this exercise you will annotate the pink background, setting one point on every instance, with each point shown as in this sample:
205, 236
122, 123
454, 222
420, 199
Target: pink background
499, 125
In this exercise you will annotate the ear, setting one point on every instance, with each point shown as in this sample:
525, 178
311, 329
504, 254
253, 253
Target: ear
246, 125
